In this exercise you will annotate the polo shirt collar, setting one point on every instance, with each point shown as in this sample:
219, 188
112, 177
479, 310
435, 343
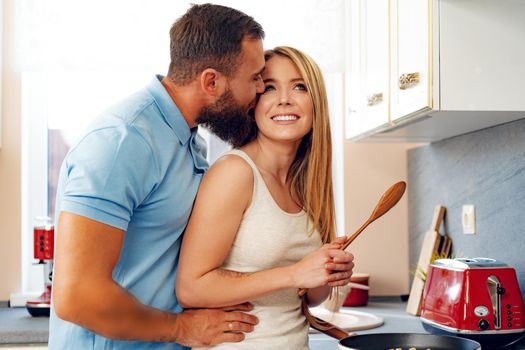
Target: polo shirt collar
169, 110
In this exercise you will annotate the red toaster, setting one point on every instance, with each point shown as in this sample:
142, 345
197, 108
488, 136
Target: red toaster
476, 298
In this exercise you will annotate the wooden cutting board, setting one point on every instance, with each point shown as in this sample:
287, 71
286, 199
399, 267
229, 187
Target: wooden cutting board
429, 248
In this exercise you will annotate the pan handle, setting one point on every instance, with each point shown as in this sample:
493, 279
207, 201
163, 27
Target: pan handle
333, 331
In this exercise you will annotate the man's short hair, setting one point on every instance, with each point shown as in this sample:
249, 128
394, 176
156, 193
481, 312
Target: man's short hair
209, 36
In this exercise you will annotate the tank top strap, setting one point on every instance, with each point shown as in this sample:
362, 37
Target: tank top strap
261, 196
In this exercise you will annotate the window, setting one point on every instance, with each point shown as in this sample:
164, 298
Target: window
78, 58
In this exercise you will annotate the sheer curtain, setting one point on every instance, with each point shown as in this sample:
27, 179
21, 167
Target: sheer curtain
133, 34
97, 51
78, 57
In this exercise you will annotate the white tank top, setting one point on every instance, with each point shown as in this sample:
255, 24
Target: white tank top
269, 237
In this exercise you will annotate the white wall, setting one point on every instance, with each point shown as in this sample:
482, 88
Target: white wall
382, 249
10, 204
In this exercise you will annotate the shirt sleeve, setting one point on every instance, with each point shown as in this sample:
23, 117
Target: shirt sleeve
109, 174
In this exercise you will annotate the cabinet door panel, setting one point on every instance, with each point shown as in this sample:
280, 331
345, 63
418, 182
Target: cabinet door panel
410, 20
369, 95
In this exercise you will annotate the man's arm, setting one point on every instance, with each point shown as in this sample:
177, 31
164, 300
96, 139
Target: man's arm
84, 293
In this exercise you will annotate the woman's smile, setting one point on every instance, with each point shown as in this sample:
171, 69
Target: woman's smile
285, 119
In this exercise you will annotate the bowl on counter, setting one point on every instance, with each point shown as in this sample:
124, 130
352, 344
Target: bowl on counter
359, 286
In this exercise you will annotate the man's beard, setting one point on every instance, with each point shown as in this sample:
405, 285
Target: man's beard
227, 119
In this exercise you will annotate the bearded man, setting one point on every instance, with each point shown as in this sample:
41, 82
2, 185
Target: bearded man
127, 187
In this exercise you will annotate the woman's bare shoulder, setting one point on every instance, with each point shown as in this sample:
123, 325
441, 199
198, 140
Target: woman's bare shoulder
230, 173
231, 165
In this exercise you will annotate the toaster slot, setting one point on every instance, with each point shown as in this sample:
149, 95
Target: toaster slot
494, 288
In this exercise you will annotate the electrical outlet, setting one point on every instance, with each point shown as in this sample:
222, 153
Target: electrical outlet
468, 219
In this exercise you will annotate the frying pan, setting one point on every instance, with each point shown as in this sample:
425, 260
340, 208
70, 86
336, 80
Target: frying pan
380, 341
405, 341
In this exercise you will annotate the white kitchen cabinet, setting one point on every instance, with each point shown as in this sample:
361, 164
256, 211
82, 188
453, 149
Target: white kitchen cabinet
369, 92
455, 66
409, 57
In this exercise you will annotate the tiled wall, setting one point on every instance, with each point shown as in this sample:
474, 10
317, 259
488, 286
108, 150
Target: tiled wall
485, 168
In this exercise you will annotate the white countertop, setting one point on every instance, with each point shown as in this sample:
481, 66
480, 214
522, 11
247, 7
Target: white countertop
18, 327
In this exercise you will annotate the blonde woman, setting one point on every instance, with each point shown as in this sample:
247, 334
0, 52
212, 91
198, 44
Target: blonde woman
263, 219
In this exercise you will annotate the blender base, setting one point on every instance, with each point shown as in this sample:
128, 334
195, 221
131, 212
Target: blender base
38, 310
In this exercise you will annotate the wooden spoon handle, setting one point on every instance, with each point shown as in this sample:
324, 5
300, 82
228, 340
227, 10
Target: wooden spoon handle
387, 201
334, 331
351, 238
320, 324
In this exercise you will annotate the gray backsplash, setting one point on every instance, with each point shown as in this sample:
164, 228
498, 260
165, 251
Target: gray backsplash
485, 168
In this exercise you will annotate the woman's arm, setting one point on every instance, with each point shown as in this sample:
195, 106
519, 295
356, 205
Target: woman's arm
223, 196
316, 296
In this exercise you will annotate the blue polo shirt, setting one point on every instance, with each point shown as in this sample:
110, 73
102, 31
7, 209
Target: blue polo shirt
136, 168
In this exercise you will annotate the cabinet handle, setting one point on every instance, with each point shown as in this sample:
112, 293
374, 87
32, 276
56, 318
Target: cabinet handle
408, 80
374, 99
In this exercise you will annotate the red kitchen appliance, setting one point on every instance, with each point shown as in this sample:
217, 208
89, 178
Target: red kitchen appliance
43, 251
358, 296
476, 298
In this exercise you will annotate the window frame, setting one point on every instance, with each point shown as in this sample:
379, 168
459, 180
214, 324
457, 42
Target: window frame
34, 182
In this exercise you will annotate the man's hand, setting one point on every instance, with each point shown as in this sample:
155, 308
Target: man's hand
205, 327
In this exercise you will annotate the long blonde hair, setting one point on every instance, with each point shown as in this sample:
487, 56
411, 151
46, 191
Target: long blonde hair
311, 170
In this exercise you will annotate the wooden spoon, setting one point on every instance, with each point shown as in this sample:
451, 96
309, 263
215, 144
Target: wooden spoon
385, 203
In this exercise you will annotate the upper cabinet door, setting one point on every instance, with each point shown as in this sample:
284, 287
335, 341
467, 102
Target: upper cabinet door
369, 71
411, 53
452, 67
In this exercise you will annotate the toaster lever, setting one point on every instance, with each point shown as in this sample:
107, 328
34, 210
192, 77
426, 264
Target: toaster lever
495, 291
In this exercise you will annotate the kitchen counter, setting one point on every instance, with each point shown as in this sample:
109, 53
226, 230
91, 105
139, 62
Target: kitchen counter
18, 327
